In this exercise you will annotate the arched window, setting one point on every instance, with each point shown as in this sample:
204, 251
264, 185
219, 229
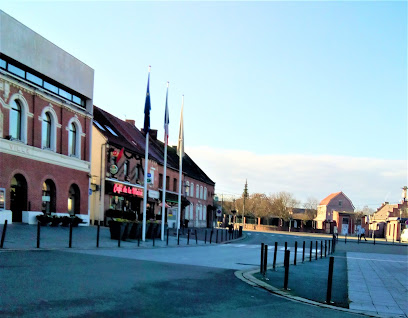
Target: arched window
73, 200
72, 140
205, 193
46, 131
74, 137
48, 197
197, 191
15, 120
201, 192
187, 188
192, 189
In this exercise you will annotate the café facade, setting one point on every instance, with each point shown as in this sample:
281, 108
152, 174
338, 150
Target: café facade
117, 174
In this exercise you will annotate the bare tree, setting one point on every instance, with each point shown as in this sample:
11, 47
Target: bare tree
282, 204
310, 207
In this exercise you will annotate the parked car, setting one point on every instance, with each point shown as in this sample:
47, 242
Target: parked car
404, 235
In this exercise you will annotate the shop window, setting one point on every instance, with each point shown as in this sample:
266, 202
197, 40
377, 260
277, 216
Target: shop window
48, 197
204, 212
191, 211
126, 170
192, 190
73, 200
174, 184
160, 181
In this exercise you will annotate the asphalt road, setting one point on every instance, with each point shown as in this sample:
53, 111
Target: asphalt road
61, 284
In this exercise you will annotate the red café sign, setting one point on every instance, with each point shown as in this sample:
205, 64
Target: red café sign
119, 188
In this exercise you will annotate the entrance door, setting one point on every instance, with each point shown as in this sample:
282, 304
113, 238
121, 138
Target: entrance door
18, 197
345, 226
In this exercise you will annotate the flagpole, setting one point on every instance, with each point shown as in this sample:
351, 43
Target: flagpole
181, 153
146, 129
166, 114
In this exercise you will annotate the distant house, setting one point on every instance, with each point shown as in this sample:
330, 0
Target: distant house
335, 210
387, 221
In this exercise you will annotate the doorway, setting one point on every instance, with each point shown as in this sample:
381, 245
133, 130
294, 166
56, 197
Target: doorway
18, 197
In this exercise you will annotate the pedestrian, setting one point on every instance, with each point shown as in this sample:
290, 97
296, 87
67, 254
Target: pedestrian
362, 233
335, 233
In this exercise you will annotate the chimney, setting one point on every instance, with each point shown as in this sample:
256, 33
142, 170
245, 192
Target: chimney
131, 121
152, 133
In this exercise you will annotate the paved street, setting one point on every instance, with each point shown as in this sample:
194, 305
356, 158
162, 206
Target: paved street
183, 281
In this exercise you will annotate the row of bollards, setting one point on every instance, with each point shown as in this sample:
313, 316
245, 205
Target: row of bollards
329, 248
225, 235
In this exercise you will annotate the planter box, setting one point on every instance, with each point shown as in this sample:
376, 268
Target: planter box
29, 217
6, 215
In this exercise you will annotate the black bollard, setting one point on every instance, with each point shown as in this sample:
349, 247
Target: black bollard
334, 240
303, 253
330, 280
216, 237
294, 260
167, 242
205, 239
38, 234
265, 259
178, 237
345, 239
138, 239
286, 246
3, 234
97, 235
311, 247
274, 255
153, 235
262, 258
325, 248
195, 231
211, 236
120, 234
321, 249
374, 239
188, 237
316, 251
286, 263
70, 235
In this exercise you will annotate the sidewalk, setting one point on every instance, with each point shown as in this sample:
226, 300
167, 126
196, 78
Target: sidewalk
375, 284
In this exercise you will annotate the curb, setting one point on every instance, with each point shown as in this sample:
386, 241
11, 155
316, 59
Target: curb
247, 277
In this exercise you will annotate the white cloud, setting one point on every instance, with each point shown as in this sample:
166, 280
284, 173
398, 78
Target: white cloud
366, 181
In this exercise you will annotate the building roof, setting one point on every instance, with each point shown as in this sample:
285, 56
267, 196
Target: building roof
330, 197
129, 137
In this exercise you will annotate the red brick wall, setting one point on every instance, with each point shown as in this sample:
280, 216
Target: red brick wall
36, 104
35, 173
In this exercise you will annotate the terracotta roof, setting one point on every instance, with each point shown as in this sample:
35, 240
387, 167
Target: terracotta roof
330, 197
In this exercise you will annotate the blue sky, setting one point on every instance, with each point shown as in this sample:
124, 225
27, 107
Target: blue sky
288, 83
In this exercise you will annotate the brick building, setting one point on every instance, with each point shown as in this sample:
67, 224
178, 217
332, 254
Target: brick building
336, 210
118, 150
46, 106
